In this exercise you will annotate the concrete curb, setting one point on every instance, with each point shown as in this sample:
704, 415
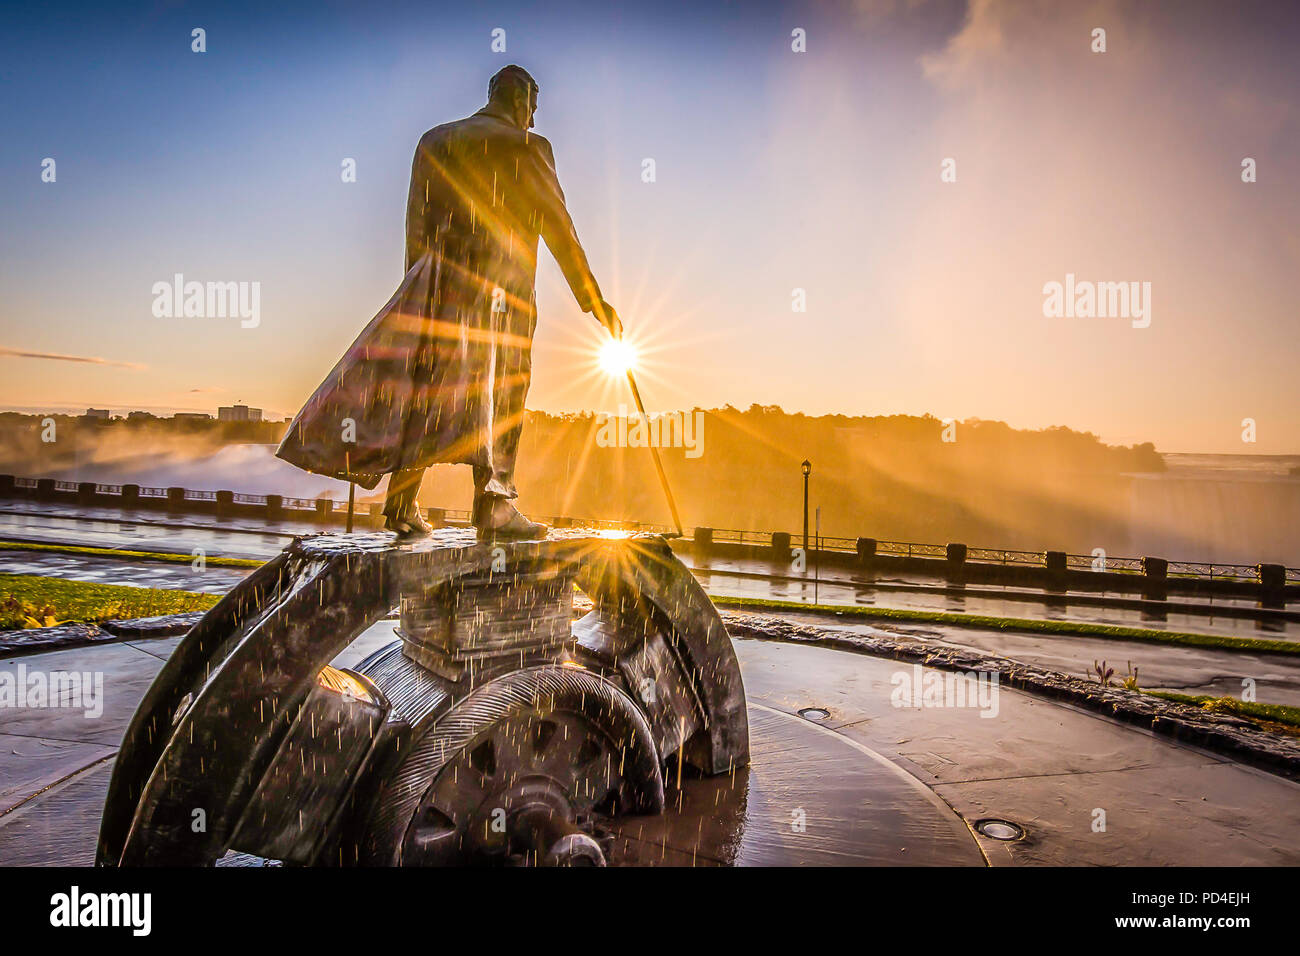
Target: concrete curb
36, 640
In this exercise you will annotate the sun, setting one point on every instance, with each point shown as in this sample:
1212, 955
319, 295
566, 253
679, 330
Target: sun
617, 357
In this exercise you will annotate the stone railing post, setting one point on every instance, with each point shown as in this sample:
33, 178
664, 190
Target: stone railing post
1272, 578
1156, 569
781, 546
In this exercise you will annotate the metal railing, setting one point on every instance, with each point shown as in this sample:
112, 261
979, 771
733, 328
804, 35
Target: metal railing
1212, 571
1090, 562
305, 504
911, 549
1003, 556
735, 536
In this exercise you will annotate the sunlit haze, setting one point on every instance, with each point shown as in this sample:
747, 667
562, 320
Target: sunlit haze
617, 357
775, 176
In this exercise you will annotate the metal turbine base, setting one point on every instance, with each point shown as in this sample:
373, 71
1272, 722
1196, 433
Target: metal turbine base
388, 763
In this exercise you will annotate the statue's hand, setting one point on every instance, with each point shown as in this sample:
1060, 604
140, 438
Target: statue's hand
608, 317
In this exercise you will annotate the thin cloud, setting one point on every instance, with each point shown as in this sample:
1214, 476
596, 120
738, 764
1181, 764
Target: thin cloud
57, 357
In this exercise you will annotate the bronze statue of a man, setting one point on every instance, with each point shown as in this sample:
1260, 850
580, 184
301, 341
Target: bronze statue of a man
441, 373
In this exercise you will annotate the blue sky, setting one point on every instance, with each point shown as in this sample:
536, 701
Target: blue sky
775, 171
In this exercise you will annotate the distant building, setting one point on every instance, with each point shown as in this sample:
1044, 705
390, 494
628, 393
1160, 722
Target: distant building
97, 413
238, 413
192, 417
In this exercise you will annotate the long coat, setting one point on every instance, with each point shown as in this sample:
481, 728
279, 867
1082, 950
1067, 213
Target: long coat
441, 372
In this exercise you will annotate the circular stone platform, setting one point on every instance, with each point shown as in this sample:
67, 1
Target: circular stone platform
874, 781
811, 797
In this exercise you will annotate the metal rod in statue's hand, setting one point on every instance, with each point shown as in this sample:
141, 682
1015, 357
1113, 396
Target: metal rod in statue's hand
659, 465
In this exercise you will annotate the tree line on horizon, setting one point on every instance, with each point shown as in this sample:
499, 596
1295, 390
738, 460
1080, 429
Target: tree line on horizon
895, 477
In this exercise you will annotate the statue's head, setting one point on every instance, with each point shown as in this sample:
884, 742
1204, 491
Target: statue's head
513, 91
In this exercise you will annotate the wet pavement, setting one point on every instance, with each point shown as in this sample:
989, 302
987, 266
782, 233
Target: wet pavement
125, 571
146, 530
1047, 767
1272, 678
863, 811
871, 782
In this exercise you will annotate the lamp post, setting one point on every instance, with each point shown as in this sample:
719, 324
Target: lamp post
807, 470
818, 541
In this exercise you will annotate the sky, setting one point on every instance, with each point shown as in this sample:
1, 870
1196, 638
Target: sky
775, 171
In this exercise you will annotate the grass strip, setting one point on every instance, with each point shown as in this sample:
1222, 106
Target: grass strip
32, 601
1275, 713
166, 556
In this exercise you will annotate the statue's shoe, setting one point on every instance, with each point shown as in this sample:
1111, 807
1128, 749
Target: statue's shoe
499, 519
408, 526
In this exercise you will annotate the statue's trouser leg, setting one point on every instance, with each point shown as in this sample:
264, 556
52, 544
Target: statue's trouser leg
403, 486
484, 499
512, 376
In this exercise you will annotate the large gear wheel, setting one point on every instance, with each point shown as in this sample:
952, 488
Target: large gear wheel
514, 772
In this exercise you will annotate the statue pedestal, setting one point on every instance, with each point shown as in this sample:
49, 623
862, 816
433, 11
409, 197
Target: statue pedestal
472, 622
